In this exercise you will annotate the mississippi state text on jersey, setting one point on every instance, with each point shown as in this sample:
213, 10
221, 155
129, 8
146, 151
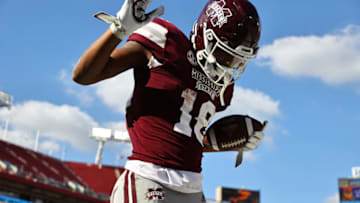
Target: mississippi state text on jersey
173, 101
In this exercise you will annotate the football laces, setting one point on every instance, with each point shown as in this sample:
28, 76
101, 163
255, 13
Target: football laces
233, 143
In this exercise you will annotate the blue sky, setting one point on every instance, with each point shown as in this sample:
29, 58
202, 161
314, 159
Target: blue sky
305, 81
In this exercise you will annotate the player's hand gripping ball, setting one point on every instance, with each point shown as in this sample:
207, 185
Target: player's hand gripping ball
235, 132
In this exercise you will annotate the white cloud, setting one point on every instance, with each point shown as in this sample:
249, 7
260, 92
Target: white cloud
254, 103
250, 156
332, 199
19, 137
333, 58
26, 139
49, 147
81, 93
122, 150
116, 125
57, 123
115, 92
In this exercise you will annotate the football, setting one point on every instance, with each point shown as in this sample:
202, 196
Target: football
231, 133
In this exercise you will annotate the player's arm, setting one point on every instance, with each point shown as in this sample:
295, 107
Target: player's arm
101, 60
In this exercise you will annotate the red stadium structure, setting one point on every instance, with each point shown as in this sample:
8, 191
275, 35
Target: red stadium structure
100, 179
35, 177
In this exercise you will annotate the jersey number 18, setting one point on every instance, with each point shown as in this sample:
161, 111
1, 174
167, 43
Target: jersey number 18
206, 112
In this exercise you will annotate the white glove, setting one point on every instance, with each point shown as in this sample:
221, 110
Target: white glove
254, 139
130, 17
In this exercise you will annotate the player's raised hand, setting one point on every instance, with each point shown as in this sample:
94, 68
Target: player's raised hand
130, 17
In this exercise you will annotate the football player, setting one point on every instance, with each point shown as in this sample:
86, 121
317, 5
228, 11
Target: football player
179, 85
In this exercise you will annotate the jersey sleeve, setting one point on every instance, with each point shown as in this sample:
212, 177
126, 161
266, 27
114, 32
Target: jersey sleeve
153, 36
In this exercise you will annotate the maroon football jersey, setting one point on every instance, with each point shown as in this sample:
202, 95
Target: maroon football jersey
173, 101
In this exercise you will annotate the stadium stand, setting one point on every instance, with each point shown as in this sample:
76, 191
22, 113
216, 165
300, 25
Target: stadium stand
107, 174
35, 177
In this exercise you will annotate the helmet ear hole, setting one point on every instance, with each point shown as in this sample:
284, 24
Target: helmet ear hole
209, 36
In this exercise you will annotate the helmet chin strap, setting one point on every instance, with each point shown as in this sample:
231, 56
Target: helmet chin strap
227, 81
226, 77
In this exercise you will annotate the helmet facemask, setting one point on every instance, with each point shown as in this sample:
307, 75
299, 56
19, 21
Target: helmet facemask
222, 64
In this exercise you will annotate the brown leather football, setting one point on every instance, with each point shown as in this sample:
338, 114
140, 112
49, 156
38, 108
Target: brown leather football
232, 132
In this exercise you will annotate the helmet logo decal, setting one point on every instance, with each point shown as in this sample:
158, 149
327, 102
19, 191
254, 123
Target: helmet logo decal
218, 13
